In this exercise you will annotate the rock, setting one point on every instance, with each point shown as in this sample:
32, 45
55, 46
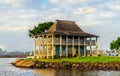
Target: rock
117, 65
24, 63
17, 60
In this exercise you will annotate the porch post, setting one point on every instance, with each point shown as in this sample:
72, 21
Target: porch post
34, 47
90, 46
60, 46
73, 50
97, 45
53, 46
66, 46
79, 53
47, 48
43, 44
84, 46
39, 46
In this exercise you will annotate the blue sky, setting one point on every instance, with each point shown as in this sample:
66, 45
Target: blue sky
101, 17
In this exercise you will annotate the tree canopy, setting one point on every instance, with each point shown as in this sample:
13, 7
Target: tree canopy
115, 44
41, 27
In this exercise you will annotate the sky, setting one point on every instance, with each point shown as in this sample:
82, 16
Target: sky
100, 17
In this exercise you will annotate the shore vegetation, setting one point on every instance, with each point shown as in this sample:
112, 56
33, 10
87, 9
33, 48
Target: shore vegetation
103, 59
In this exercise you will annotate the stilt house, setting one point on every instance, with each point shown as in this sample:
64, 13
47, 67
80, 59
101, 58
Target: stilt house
64, 39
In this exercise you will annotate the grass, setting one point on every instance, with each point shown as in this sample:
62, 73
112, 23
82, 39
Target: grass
81, 59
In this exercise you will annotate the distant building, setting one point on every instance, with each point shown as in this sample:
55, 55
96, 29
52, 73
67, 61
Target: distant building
64, 39
2, 53
112, 53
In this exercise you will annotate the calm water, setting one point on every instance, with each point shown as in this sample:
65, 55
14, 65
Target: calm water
6, 69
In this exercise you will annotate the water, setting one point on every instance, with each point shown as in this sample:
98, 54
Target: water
6, 69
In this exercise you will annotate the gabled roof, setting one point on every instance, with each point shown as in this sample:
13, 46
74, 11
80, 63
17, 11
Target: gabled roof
64, 27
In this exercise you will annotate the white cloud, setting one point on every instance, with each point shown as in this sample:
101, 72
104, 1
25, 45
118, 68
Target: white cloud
13, 3
13, 28
107, 14
54, 1
69, 1
55, 9
86, 10
19, 17
100, 14
19, 13
115, 6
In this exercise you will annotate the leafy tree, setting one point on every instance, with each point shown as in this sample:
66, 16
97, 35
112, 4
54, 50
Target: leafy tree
115, 44
40, 28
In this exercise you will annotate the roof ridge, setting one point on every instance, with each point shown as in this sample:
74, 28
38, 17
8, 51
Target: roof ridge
69, 31
65, 21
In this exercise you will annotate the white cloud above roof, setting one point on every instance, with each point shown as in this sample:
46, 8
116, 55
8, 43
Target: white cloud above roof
86, 10
13, 3
13, 28
20, 15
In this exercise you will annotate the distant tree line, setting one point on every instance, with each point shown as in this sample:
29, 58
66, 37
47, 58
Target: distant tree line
2, 49
15, 53
18, 53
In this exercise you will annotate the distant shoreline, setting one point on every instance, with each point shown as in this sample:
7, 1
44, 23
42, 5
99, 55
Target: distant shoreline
8, 56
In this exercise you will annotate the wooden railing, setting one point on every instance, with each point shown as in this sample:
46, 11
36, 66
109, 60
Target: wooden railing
93, 42
75, 41
57, 41
81, 42
88, 42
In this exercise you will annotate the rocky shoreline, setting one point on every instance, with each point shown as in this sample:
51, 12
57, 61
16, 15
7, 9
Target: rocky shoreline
67, 65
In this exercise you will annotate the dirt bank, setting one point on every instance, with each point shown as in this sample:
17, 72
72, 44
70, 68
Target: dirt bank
67, 65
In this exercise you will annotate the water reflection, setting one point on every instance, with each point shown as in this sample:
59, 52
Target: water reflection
6, 69
45, 72
52, 72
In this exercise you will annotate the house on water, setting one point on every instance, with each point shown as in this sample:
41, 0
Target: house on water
64, 39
